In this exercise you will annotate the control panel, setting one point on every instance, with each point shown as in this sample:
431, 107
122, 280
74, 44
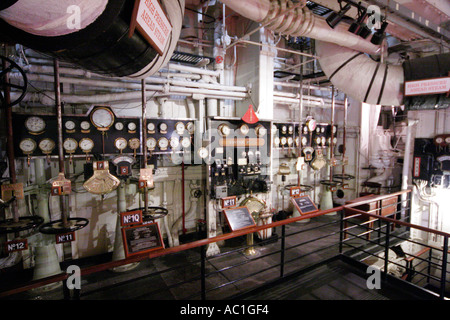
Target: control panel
431, 160
169, 135
240, 157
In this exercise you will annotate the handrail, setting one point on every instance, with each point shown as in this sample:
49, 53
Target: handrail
203, 242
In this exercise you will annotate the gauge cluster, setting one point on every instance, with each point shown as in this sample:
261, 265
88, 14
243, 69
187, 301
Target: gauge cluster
170, 135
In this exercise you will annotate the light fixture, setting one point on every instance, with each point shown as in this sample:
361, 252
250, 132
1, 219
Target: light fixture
358, 27
379, 35
334, 18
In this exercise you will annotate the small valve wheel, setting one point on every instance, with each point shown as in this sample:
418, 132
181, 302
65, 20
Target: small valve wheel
57, 226
9, 66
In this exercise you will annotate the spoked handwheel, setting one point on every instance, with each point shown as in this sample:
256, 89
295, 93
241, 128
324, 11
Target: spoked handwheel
152, 213
58, 227
7, 67
303, 187
331, 184
23, 223
343, 177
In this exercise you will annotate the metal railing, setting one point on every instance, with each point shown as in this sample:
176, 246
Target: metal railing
293, 247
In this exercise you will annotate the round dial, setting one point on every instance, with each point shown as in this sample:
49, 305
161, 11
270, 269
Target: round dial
180, 127
304, 141
102, 118
85, 125
283, 129
260, 131
120, 143
322, 129
244, 129
203, 152
318, 129
134, 143
47, 145
290, 140
283, 141
334, 129
151, 127
439, 140
323, 139
297, 141
132, 126
305, 129
119, 126
274, 129
27, 145
86, 144
334, 140
163, 127
318, 140
190, 126
276, 141
70, 145
69, 125
35, 124
186, 142
224, 130
151, 143
291, 129
311, 124
174, 142
163, 143
447, 140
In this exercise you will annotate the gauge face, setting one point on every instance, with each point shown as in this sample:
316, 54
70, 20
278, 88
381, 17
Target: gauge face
447, 140
283, 129
70, 145
305, 129
35, 125
27, 145
174, 142
180, 127
102, 118
334, 129
47, 145
119, 126
260, 131
151, 143
163, 127
134, 143
85, 125
224, 130
290, 129
274, 128
186, 142
323, 139
151, 127
131, 126
334, 140
86, 144
283, 141
290, 140
304, 141
203, 152
120, 143
163, 143
69, 125
190, 126
244, 129
276, 141
311, 124
439, 140
318, 140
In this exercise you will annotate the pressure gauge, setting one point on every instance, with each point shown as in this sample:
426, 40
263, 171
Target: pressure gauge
311, 124
439, 140
163, 127
70, 145
70, 126
276, 141
283, 129
318, 130
447, 140
290, 140
47, 145
102, 118
323, 140
174, 142
260, 131
334, 140
322, 130
291, 129
35, 125
304, 141
297, 141
151, 127
274, 129
131, 127
151, 143
85, 126
27, 146
244, 129
119, 126
180, 127
334, 129
190, 126
186, 142
203, 152
134, 143
305, 129
120, 143
283, 141
163, 143
318, 140
86, 144
224, 130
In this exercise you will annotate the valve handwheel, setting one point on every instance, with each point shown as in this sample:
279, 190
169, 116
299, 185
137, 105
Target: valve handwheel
343, 177
9, 66
24, 223
153, 213
57, 226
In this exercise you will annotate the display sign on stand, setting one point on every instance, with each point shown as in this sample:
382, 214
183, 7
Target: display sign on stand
239, 218
141, 239
304, 205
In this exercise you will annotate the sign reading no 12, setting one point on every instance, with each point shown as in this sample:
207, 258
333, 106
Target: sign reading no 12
151, 21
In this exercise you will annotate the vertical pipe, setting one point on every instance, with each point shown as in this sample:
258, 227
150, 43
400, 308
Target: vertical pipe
300, 116
182, 197
386, 248
332, 134
283, 246
144, 138
444, 268
344, 135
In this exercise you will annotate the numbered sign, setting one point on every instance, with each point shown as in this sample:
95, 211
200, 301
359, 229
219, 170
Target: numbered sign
130, 218
229, 202
65, 237
16, 245
296, 192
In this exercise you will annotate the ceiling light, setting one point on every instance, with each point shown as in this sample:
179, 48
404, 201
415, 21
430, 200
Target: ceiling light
334, 18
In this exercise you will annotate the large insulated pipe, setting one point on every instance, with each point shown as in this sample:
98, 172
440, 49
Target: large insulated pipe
100, 43
281, 16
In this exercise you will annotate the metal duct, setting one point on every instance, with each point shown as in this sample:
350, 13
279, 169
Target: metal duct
103, 46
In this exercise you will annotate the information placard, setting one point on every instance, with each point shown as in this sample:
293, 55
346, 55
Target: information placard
239, 218
65, 237
151, 21
304, 204
142, 238
427, 86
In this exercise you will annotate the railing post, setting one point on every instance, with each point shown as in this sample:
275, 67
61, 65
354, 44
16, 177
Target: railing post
341, 234
444, 267
283, 245
386, 248
203, 272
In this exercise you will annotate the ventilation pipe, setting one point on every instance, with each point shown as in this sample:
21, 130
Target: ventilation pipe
100, 43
